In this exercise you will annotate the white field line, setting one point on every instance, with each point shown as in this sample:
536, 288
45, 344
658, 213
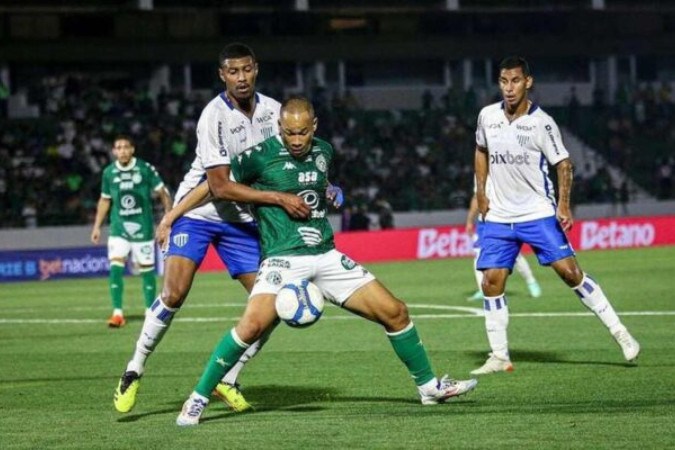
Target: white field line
464, 312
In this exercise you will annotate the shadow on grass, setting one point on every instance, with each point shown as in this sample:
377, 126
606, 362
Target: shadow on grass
546, 358
293, 399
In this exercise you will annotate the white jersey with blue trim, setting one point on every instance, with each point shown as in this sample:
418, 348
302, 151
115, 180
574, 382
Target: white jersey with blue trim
222, 133
519, 154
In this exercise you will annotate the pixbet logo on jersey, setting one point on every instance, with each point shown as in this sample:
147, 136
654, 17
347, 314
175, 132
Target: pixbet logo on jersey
510, 158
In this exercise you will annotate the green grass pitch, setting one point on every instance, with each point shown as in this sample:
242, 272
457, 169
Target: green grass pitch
338, 384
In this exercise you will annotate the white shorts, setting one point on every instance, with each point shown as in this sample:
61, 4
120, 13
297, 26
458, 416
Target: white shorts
336, 274
143, 253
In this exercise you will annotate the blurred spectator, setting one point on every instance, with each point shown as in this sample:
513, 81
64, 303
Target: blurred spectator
385, 214
359, 220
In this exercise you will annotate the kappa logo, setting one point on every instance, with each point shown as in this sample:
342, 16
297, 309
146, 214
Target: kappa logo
289, 166
181, 239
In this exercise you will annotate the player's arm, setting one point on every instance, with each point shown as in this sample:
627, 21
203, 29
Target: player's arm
471, 215
224, 188
565, 171
102, 209
481, 168
165, 198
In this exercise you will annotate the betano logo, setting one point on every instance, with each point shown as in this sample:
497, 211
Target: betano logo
615, 235
434, 244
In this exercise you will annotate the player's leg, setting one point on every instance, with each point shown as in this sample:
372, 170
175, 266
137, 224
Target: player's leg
592, 296
351, 286
551, 246
239, 248
523, 268
188, 244
260, 314
144, 254
498, 254
118, 250
478, 275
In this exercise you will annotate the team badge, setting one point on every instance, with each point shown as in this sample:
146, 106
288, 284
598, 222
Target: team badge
180, 239
321, 163
136, 178
273, 278
347, 262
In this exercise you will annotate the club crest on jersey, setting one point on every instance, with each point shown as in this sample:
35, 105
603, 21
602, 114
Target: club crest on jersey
523, 140
137, 178
180, 239
274, 278
321, 163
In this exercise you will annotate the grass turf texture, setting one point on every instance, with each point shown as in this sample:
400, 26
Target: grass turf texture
338, 384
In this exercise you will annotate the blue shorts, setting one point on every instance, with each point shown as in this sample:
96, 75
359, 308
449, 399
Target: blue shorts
500, 243
478, 227
236, 243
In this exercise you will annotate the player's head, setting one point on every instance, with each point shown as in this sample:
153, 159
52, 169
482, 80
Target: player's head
123, 149
514, 79
297, 125
238, 69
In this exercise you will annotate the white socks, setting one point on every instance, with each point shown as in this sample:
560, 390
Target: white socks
496, 321
593, 298
157, 321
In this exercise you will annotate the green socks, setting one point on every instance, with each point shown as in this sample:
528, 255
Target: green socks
116, 283
149, 287
411, 351
226, 355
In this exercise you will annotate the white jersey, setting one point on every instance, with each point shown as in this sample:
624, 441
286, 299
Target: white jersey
519, 154
222, 133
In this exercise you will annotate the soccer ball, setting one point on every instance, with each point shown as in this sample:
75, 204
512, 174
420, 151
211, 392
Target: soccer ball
299, 303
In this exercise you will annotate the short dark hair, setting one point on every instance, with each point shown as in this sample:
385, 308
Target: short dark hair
235, 50
513, 62
124, 137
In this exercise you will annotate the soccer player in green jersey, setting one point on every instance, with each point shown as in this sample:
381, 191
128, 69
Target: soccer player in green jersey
296, 162
127, 191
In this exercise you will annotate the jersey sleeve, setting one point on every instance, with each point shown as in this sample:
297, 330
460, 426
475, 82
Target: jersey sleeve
247, 166
105, 185
212, 146
551, 143
481, 140
155, 180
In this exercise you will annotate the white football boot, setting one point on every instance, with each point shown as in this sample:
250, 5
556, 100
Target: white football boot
446, 389
492, 365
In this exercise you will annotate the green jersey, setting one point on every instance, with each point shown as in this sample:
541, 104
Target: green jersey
268, 166
130, 191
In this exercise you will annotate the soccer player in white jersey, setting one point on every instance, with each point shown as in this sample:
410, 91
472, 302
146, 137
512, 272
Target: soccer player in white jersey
515, 143
234, 120
474, 228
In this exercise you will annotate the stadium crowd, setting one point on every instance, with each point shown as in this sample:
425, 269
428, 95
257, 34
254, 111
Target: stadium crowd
389, 160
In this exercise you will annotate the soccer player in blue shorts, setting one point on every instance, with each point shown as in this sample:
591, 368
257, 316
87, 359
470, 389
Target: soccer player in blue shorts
234, 120
474, 228
515, 143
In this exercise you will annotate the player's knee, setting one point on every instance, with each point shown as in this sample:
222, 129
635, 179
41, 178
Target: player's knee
250, 329
396, 315
571, 275
173, 295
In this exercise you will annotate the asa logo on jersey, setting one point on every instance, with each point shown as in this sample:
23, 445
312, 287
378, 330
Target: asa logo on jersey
510, 158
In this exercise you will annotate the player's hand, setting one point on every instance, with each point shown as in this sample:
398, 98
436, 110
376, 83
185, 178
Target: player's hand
294, 205
163, 232
469, 228
564, 216
483, 204
334, 195
95, 235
